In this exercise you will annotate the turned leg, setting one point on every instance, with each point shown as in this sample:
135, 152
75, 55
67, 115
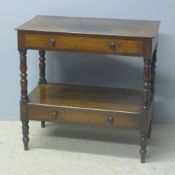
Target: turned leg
144, 119
24, 98
147, 85
143, 144
25, 131
150, 129
43, 124
42, 67
42, 78
153, 72
144, 122
23, 75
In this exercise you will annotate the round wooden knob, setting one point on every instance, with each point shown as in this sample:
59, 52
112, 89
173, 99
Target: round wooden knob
52, 42
54, 114
113, 46
110, 119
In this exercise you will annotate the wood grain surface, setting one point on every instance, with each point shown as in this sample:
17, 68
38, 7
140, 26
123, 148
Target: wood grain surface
94, 98
93, 26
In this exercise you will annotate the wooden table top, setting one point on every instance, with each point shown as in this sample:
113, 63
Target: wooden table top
92, 26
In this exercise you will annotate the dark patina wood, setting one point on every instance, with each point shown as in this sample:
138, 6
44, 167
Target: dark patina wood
23, 74
24, 97
92, 26
25, 129
42, 66
85, 97
153, 72
42, 78
43, 124
109, 107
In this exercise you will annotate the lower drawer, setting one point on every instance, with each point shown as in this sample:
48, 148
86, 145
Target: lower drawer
58, 114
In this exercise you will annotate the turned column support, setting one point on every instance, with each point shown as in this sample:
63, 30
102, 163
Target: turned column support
24, 97
42, 73
144, 120
147, 84
23, 75
153, 71
42, 66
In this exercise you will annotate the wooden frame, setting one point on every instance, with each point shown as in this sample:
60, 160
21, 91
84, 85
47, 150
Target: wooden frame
107, 107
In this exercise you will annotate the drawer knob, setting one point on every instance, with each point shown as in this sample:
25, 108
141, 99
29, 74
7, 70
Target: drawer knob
110, 119
52, 42
54, 114
113, 46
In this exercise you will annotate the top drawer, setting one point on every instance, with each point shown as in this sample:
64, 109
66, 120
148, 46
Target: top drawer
83, 44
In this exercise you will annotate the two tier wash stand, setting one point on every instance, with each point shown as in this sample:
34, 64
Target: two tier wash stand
108, 107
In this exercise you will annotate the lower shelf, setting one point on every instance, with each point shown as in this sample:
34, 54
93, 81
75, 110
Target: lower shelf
82, 104
92, 98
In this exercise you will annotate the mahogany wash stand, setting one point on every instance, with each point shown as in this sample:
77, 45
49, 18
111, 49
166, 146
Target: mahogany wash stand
108, 107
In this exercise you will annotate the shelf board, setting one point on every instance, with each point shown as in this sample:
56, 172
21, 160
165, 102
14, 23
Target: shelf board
90, 98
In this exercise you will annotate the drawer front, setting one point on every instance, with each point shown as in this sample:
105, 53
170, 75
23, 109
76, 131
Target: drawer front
56, 114
84, 44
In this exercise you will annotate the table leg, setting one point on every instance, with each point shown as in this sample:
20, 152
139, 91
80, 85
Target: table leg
42, 78
143, 144
43, 124
42, 67
25, 131
153, 73
24, 97
23, 75
144, 120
